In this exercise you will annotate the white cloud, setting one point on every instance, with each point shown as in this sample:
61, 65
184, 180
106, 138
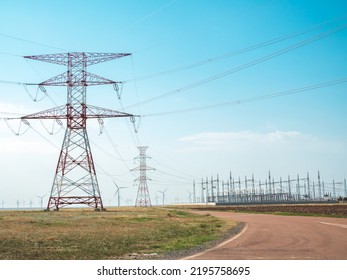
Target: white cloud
245, 152
239, 139
17, 146
11, 110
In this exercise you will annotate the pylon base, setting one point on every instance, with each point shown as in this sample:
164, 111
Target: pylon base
63, 201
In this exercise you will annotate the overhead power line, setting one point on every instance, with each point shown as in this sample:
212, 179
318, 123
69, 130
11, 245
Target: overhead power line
244, 66
116, 150
10, 54
30, 42
186, 176
252, 99
10, 113
240, 51
172, 175
12, 83
148, 16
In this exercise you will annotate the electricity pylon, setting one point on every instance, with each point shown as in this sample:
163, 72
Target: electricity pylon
143, 198
75, 180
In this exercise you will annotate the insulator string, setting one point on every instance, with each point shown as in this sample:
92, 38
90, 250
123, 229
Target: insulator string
18, 132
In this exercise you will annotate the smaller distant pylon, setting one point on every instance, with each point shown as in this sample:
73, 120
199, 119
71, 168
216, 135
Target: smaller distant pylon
143, 199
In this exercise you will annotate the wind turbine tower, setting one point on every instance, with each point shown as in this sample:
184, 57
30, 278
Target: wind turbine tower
118, 192
163, 193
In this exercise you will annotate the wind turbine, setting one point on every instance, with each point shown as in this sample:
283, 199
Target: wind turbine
189, 196
156, 199
41, 197
163, 192
128, 201
118, 192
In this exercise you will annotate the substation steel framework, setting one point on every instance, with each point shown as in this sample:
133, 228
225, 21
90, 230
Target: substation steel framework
75, 180
142, 198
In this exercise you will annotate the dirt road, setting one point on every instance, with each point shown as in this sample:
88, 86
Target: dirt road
272, 237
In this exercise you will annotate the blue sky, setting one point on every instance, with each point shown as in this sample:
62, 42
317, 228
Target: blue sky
296, 133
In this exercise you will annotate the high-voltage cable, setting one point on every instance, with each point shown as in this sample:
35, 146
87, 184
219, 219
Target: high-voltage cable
246, 65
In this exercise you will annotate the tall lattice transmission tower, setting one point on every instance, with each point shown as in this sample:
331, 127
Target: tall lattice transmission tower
143, 198
75, 180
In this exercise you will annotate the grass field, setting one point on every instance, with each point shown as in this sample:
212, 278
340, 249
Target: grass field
114, 234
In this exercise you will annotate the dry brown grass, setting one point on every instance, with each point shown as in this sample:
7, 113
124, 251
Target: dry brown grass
85, 234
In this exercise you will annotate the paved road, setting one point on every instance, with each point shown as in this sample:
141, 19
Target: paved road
272, 237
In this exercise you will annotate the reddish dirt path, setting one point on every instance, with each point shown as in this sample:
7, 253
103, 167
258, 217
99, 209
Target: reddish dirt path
272, 237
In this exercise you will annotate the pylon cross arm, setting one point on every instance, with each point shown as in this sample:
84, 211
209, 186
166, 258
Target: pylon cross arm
89, 57
98, 112
88, 79
94, 58
139, 168
92, 112
54, 113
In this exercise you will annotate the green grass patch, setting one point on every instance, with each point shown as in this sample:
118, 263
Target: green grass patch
114, 234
